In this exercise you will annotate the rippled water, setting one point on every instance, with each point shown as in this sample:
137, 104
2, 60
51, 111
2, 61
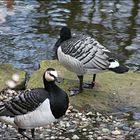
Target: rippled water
29, 31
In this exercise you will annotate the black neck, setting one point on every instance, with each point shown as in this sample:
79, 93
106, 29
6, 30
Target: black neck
65, 34
58, 98
49, 86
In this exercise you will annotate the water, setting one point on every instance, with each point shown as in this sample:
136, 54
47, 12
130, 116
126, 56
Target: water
29, 30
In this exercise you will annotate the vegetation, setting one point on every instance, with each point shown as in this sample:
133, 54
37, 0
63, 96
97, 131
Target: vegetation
112, 91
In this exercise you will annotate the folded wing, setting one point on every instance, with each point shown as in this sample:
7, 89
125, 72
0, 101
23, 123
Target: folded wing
23, 103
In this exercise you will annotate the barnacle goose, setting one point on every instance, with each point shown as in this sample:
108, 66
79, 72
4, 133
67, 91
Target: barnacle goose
37, 107
82, 54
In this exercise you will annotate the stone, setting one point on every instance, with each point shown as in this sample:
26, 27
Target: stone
53, 138
8, 72
67, 138
107, 138
75, 137
84, 129
136, 125
91, 133
120, 82
105, 130
99, 138
61, 137
116, 132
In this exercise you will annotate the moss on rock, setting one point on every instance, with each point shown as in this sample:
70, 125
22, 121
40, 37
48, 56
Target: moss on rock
6, 72
111, 91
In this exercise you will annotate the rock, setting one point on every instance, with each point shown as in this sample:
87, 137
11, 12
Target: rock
75, 137
136, 125
126, 128
6, 73
107, 138
116, 132
67, 138
71, 130
53, 138
61, 138
124, 85
98, 119
90, 114
105, 130
89, 137
99, 138
90, 133
84, 129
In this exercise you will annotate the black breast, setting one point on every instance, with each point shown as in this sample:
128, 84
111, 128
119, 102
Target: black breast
59, 102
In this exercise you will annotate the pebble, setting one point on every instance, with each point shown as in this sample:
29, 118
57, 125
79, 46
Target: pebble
90, 132
116, 132
84, 129
67, 138
136, 124
53, 137
99, 138
80, 125
105, 130
75, 137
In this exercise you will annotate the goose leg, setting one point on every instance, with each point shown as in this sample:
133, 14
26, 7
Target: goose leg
21, 131
93, 81
81, 83
76, 90
90, 84
33, 133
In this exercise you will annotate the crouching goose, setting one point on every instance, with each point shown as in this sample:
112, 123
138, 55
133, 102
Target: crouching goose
82, 54
37, 107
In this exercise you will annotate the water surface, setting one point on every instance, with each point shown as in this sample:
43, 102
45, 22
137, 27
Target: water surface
29, 30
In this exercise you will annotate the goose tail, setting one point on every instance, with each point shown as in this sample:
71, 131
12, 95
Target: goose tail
117, 68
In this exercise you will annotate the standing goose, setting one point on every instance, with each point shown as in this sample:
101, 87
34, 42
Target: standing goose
37, 107
82, 54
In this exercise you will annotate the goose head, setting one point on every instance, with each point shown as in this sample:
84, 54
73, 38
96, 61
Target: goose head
65, 33
50, 75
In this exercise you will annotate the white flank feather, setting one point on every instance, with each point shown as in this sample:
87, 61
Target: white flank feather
42, 116
114, 64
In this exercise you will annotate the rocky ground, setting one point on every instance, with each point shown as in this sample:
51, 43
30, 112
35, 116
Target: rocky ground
83, 126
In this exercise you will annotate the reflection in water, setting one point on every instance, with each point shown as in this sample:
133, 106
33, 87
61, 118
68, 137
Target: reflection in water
31, 28
9, 4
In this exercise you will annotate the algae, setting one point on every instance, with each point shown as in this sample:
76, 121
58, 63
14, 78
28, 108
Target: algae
111, 91
6, 72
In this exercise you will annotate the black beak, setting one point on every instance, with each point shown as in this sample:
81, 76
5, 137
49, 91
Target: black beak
57, 79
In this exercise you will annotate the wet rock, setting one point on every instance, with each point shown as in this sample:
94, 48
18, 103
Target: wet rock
103, 93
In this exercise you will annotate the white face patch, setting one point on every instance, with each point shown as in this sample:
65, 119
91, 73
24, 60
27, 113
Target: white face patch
48, 77
54, 73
